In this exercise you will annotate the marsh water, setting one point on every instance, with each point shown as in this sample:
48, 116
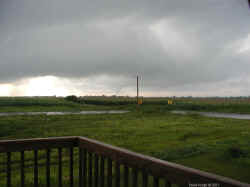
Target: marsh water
183, 112
214, 114
63, 113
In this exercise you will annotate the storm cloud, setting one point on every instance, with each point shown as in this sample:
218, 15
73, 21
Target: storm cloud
171, 44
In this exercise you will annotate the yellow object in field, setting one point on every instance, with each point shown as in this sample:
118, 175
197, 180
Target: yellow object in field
139, 101
170, 102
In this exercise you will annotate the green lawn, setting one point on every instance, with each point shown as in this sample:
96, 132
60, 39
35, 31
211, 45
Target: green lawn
220, 146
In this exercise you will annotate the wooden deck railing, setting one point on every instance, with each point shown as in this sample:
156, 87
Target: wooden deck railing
94, 164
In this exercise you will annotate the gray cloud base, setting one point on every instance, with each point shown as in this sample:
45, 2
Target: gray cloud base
86, 38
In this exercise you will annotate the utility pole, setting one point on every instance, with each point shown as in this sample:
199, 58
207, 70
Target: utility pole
137, 89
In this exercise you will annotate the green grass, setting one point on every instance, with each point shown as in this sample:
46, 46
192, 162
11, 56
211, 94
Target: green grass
34, 101
220, 146
216, 104
39, 104
228, 105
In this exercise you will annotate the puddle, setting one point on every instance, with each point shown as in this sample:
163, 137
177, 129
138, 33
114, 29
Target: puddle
214, 114
62, 113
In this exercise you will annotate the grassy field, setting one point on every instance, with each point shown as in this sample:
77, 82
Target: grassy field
220, 146
216, 104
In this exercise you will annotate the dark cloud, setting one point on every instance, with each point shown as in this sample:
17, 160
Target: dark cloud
170, 43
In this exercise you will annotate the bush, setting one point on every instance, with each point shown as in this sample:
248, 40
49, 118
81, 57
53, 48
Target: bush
72, 98
236, 152
184, 152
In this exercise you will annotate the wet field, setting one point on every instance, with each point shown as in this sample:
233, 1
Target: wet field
62, 113
214, 114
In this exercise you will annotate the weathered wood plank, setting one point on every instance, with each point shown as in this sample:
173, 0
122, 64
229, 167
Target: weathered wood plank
102, 169
126, 176
135, 177
59, 167
71, 166
174, 173
156, 182
167, 183
117, 174
109, 172
35, 168
37, 143
90, 169
84, 180
8, 169
48, 167
22, 169
144, 179
80, 168
96, 174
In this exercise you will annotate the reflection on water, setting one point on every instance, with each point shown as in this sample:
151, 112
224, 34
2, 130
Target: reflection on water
63, 113
214, 114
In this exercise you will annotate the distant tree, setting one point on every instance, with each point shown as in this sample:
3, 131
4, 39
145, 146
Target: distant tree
72, 98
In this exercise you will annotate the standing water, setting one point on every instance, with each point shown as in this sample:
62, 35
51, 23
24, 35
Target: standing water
214, 114
63, 113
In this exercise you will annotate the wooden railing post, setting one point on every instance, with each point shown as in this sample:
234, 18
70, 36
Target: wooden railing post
135, 177
90, 169
8, 169
109, 172
48, 168
126, 174
35, 168
144, 179
96, 171
84, 167
22, 169
102, 169
80, 168
59, 167
117, 174
99, 175
71, 167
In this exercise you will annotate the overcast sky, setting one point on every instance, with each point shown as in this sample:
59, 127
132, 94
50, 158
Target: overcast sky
83, 47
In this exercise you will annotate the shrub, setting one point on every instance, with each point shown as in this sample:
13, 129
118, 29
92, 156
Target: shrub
72, 98
236, 152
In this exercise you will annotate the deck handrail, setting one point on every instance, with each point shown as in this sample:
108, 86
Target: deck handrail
38, 143
91, 159
175, 173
